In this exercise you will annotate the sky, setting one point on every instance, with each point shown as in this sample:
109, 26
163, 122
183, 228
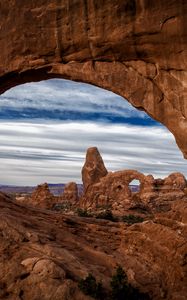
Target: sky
46, 128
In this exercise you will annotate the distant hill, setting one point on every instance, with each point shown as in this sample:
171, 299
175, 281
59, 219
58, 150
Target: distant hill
10, 189
56, 189
134, 188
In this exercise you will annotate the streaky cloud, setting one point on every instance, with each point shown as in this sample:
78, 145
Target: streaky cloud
58, 99
35, 152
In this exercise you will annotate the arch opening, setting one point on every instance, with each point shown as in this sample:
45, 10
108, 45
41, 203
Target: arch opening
117, 129
134, 186
103, 74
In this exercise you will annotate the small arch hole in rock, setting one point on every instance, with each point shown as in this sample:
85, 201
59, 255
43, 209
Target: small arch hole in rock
134, 186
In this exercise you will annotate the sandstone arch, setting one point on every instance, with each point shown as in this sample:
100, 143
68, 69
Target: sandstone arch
112, 188
135, 48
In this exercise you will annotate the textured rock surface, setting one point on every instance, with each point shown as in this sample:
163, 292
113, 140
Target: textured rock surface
154, 242
175, 182
112, 190
70, 193
42, 197
43, 254
103, 190
138, 49
93, 169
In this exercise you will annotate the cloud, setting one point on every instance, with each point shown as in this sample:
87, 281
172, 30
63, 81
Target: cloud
31, 153
46, 127
66, 100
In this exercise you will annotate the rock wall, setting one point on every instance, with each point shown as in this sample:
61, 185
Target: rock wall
134, 48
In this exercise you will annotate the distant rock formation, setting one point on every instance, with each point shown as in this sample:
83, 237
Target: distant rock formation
42, 197
93, 169
103, 190
112, 189
174, 182
70, 193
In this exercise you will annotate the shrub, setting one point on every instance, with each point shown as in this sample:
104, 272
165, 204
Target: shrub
83, 213
89, 286
64, 206
119, 284
121, 289
107, 215
131, 219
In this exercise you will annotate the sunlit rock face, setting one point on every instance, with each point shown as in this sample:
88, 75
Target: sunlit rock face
70, 193
93, 169
103, 190
44, 254
42, 197
137, 49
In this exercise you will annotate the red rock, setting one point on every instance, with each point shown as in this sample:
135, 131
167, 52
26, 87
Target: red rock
40, 251
113, 191
136, 49
70, 193
42, 197
175, 182
154, 244
93, 169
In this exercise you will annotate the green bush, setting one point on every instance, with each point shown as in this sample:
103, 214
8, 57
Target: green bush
122, 290
132, 219
119, 284
107, 215
89, 286
83, 213
64, 206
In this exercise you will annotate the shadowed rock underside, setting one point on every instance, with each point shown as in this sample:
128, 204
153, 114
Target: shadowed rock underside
134, 48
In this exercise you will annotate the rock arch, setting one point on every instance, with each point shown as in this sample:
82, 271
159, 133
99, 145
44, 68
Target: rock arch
136, 49
112, 188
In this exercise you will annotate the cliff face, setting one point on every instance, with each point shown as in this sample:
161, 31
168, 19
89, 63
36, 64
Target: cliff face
136, 49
